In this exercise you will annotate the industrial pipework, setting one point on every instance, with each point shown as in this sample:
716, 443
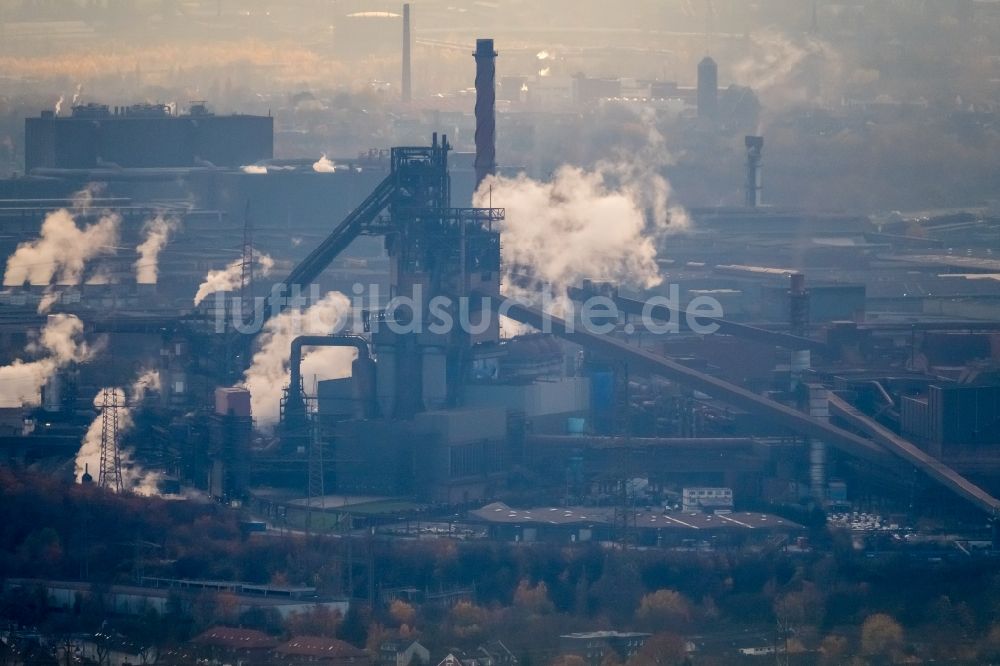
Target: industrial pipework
362, 374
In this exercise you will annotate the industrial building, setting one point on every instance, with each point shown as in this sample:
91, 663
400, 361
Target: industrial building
145, 136
848, 353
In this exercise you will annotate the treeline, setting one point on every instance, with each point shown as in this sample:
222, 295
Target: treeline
525, 596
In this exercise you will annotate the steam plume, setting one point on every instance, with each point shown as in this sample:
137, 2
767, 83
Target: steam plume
230, 277
62, 250
134, 477
604, 223
254, 169
58, 345
59, 104
269, 374
157, 231
324, 165
788, 72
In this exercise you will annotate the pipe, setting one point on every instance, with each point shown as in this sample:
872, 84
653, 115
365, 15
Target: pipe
295, 405
486, 121
773, 411
608, 442
912, 454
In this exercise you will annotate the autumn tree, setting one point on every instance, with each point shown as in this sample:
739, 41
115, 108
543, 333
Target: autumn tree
662, 649
467, 620
534, 600
881, 635
833, 649
804, 607
662, 609
402, 612
568, 660
320, 620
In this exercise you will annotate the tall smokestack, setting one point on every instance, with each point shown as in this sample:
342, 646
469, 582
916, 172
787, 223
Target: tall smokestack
486, 121
407, 74
708, 89
755, 148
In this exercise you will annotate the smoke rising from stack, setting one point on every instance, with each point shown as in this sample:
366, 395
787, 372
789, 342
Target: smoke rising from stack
604, 223
787, 72
134, 477
268, 376
230, 278
58, 345
157, 232
324, 165
61, 252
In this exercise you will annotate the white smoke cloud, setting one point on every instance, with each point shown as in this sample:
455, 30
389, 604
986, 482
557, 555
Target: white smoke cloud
135, 478
230, 278
324, 165
787, 72
254, 169
603, 223
58, 108
77, 94
62, 250
157, 232
58, 345
268, 376
148, 380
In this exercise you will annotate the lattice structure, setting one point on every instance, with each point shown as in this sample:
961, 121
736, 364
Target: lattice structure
246, 265
316, 472
111, 463
317, 489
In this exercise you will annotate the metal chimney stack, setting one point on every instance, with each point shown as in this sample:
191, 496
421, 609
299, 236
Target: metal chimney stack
486, 121
755, 148
407, 74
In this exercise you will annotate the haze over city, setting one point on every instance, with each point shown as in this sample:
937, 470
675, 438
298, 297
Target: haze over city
499, 333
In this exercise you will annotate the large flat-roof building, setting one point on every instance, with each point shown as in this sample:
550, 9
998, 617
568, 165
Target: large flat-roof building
145, 136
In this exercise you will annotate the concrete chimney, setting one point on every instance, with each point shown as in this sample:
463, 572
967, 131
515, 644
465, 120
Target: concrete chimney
486, 121
755, 149
407, 87
708, 89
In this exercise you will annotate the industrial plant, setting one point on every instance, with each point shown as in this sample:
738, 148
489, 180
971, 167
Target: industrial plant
455, 338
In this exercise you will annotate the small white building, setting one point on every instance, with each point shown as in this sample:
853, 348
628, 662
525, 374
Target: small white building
698, 499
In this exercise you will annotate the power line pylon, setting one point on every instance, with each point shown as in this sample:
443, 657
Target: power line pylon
111, 462
246, 265
316, 498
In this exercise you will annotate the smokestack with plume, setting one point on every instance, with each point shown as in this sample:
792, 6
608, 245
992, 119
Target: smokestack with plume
324, 165
788, 72
61, 252
58, 345
604, 223
230, 278
157, 232
268, 376
134, 477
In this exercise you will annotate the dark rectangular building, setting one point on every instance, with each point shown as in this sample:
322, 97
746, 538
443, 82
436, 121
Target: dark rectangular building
145, 136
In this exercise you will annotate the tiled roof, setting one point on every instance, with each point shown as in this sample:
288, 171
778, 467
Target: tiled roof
318, 646
232, 637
